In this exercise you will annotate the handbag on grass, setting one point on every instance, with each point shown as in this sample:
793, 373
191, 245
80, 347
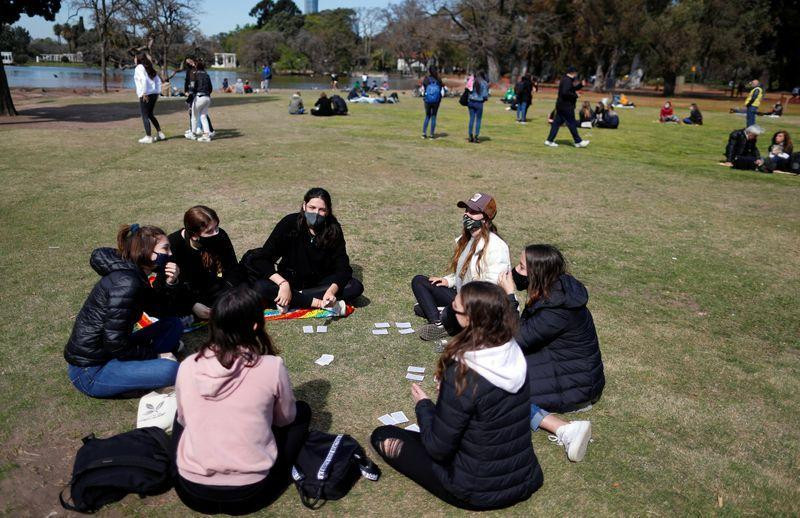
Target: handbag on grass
329, 466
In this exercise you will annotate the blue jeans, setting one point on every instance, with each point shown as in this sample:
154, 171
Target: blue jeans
118, 377
475, 116
751, 115
537, 416
522, 111
431, 109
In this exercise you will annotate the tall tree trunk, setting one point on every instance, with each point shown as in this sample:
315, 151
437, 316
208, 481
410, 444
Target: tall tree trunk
599, 78
6, 103
669, 83
103, 64
611, 77
492, 67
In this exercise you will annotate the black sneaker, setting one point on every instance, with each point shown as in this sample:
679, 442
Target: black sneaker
471, 138
477, 140
418, 311
430, 332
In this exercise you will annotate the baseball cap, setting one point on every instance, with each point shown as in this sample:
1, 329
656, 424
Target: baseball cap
571, 70
481, 202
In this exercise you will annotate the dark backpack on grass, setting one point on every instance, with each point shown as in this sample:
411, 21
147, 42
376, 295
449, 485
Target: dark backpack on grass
106, 470
328, 466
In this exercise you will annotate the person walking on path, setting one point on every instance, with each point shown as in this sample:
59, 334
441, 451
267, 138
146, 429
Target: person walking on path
753, 102
432, 85
565, 109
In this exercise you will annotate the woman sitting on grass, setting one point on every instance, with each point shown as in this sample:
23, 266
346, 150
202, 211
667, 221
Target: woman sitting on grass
314, 269
480, 254
238, 428
780, 153
204, 253
322, 108
473, 449
695, 117
106, 357
667, 113
586, 114
558, 337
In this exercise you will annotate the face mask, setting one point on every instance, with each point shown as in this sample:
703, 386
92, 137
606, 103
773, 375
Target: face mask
161, 261
520, 281
315, 220
210, 241
471, 224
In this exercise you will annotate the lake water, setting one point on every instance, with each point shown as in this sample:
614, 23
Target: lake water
87, 77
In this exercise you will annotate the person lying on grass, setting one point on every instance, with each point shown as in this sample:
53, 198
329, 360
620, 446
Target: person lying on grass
313, 269
106, 357
473, 449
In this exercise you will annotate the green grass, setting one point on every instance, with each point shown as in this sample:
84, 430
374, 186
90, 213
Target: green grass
692, 270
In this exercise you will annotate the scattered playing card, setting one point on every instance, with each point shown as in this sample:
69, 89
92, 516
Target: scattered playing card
413, 427
405, 331
382, 324
402, 325
322, 329
399, 417
308, 329
387, 419
380, 331
325, 359
414, 377
418, 370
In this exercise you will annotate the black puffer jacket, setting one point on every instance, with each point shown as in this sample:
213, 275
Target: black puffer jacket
740, 146
481, 442
105, 322
560, 343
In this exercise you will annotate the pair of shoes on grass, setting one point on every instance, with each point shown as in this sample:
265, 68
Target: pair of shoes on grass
582, 143
147, 139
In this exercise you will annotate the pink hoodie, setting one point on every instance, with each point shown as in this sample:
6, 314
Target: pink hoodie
228, 416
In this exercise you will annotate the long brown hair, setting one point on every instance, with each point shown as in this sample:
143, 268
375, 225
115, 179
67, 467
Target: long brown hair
787, 141
143, 60
492, 322
230, 329
487, 228
136, 243
544, 264
196, 220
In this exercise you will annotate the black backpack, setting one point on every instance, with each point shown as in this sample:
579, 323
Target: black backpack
328, 466
106, 470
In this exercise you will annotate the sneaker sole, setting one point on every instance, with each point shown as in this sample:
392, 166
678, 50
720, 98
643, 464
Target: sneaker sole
430, 333
577, 449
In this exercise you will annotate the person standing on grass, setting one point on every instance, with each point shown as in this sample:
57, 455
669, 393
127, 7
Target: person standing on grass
753, 102
480, 254
565, 109
473, 450
478, 95
432, 86
266, 77
202, 101
148, 88
188, 90
106, 357
524, 95
238, 428
559, 340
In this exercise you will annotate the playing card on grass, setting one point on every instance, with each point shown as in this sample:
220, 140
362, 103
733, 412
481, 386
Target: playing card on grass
399, 417
414, 377
387, 419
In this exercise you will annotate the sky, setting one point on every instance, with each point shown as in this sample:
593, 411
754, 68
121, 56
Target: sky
216, 16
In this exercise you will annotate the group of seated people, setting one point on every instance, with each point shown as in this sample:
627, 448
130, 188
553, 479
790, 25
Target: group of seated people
603, 116
776, 111
240, 87
667, 114
239, 428
329, 106
742, 152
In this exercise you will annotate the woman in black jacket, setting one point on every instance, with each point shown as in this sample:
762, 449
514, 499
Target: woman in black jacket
204, 253
524, 92
314, 269
202, 100
106, 357
473, 449
188, 91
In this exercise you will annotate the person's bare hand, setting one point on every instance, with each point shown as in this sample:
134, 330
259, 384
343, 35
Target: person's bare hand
417, 393
172, 271
506, 281
284, 297
201, 311
438, 281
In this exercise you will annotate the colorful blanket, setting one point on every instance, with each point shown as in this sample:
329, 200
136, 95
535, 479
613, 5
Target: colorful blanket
274, 314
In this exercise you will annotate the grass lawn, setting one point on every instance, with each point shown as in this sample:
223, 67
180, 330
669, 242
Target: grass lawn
692, 270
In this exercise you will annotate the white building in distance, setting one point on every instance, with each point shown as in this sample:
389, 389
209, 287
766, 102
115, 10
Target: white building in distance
224, 60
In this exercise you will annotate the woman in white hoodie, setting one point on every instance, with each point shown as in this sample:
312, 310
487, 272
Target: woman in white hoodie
480, 255
148, 87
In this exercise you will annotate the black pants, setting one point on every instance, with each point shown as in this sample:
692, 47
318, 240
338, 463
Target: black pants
748, 163
210, 127
415, 463
564, 117
430, 297
147, 113
303, 297
238, 500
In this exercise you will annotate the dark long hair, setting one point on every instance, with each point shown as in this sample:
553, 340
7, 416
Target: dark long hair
195, 221
230, 329
333, 231
787, 141
143, 60
544, 264
492, 322
434, 73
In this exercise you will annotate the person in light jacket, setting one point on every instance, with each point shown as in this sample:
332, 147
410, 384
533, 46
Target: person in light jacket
148, 87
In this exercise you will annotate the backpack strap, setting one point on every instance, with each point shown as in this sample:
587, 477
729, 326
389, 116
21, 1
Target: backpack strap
369, 470
322, 474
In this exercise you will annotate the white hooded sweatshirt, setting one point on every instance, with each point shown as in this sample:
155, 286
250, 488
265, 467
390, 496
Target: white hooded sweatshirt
503, 366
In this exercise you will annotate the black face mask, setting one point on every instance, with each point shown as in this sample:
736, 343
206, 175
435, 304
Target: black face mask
471, 224
315, 220
210, 242
520, 281
161, 262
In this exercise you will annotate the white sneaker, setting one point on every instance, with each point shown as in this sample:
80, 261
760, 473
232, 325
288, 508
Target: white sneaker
161, 136
582, 143
212, 134
574, 437
204, 138
551, 144
189, 135
146, 140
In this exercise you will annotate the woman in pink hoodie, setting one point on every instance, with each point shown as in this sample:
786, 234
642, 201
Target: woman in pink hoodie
238, 428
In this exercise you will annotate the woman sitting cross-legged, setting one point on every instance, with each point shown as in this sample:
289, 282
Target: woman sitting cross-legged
558, 337
238, 428
313, 269
106, 357
473, 449
480, 255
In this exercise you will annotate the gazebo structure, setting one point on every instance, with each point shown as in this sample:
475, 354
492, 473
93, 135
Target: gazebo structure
224, 60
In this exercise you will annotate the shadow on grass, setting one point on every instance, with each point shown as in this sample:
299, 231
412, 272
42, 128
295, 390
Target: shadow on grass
315, 393
116, 111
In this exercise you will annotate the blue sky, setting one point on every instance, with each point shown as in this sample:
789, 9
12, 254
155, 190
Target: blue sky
217, 16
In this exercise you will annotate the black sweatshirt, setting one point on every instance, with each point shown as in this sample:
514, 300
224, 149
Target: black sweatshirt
567, 93
202, 83
303, 262
202, 285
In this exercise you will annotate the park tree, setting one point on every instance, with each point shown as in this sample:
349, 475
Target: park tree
105, 16
369, 21
333, 35
409, 31
166, 25
281, 15
671, 37
261, 47
10, 12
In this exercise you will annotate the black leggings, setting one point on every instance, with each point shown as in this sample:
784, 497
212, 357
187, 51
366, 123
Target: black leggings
147, 113
238, 500
430, 297
415, 463
303, 299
